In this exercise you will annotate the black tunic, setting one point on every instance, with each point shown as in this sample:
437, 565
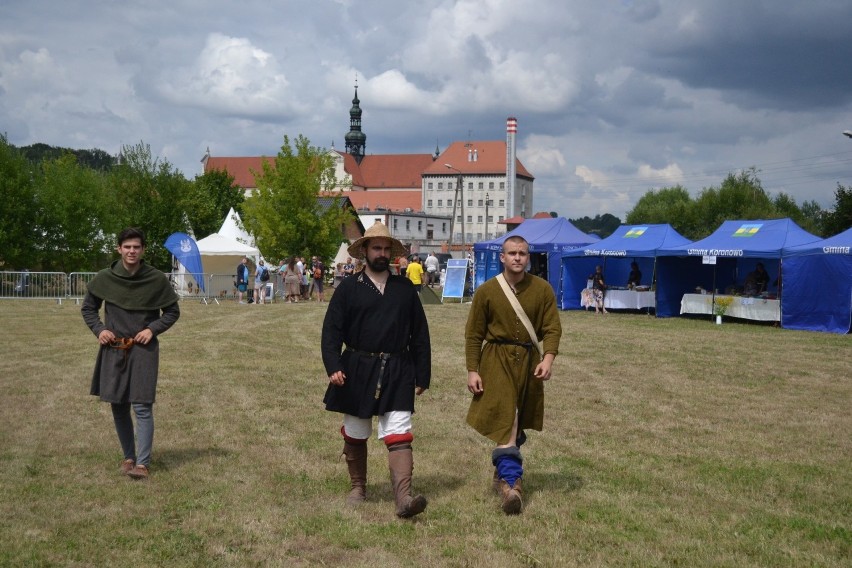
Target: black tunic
361, 318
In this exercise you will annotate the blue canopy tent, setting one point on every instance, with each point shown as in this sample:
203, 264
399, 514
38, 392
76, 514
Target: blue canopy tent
629, 243
737, 246
549, 238
818, 285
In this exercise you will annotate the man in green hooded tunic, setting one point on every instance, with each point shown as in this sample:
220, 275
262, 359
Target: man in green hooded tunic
505, 368
139, 304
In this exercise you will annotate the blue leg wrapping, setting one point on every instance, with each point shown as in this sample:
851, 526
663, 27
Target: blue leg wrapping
509, 464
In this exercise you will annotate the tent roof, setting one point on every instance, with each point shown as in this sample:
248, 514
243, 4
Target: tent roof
217, 244
838, 244
232, 228
544, 235
761, 238
633, 240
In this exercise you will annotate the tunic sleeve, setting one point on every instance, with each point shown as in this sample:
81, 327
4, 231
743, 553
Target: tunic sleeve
474, 333
420, 345
91, 313
170, 315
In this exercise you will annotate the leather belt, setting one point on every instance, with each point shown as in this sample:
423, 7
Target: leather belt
383, 357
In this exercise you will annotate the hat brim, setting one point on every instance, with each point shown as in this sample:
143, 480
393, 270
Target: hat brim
356, 249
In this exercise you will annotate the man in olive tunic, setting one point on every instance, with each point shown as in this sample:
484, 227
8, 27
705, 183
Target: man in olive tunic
139, 304
377, 354
505, 370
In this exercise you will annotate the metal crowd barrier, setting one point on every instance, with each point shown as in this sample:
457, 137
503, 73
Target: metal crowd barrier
59, 286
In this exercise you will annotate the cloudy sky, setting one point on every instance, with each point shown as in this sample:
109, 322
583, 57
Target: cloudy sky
613, 97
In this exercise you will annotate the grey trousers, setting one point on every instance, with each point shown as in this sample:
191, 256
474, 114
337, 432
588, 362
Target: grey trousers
144, 435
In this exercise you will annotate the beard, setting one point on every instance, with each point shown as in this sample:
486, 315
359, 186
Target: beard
378, 264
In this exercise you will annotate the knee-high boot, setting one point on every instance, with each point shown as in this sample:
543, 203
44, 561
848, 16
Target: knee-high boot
401, 465
356, 461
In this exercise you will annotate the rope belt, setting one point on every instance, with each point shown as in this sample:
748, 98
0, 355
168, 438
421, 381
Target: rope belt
383, 357
122, 344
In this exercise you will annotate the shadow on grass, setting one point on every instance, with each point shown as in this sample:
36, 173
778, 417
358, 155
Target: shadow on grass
175, 458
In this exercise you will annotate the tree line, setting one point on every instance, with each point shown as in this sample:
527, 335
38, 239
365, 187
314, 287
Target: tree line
61, 209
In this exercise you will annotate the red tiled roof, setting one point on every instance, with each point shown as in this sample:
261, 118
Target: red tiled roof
490, 159
240, 168
393, 200
394, 171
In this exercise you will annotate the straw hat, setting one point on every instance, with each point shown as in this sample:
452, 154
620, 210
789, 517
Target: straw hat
379, 229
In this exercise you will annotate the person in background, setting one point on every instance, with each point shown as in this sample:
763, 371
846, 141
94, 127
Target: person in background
242, 279
505, 370
402, 264
414, 272
431, 265
377, 354
348, 267
635, 277
318, 274
598, 289
292, 280
756, 281
259, 283
139, 304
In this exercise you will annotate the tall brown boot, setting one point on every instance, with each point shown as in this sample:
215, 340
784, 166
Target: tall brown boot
401, 465
356, 461
512, 502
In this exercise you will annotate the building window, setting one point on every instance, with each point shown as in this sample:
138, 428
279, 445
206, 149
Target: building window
429, 234
419, 226
502, 185
479, 218
443, 228
470, 218
502, 203
500, 218
490, 185
440, 203
479, 203
394, 224
490, 219
429, 203
408, 225
481, 185
429, 185
470, 185
458, 219
470, 202
478, 236
440, 185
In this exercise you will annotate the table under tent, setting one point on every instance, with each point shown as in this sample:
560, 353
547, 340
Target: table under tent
696, 274
818, 285
548, 238
615, 253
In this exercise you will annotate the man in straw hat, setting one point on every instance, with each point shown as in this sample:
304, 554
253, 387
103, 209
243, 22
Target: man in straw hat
377, 353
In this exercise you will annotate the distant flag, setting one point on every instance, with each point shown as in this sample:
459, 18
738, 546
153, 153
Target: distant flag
186, 252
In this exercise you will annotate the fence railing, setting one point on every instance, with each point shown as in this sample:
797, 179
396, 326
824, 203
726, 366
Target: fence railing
59, 286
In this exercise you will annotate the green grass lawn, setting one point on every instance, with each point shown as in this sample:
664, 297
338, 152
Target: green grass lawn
666, 442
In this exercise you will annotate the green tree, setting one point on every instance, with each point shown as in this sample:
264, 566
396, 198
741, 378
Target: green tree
17, 209
840, 218
740, 196
284, 214
208, 199
76, 216
672, 205
602, 225
151, 195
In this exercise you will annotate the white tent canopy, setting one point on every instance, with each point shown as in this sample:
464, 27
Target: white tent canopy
233, 227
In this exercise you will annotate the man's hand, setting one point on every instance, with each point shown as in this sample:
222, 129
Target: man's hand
419, 390
474, 382
106, 337
337, 378
144, 337
542, 370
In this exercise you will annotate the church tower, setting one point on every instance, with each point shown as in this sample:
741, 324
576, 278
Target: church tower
356, 140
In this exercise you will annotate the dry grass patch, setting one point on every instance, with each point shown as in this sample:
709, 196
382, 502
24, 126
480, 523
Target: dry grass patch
666, 442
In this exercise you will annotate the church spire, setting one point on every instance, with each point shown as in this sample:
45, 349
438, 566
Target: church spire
356, 140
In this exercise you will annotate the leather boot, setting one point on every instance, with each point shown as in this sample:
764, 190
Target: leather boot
512, 501
356, 461
401, 465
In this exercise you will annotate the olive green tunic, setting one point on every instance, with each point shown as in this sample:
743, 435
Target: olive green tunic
507, 370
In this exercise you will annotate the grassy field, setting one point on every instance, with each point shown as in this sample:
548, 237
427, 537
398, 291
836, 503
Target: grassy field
667, 442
